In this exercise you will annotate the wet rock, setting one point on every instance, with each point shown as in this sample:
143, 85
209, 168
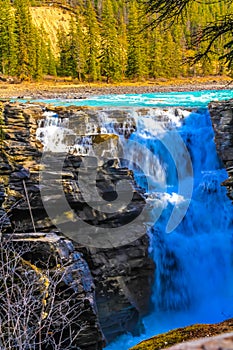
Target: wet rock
222, 119
119, 275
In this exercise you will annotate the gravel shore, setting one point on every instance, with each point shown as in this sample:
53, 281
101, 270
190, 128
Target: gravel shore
72, 91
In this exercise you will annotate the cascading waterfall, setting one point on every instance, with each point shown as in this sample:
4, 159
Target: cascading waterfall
191, 253
194, 267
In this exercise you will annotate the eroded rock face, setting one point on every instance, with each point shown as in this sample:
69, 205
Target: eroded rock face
122, 275
222, 119
68, 289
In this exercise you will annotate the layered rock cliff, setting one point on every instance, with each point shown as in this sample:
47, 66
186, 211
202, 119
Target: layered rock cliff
222, 120
118, 292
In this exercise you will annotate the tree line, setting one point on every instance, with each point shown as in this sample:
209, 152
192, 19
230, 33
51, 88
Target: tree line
109, 40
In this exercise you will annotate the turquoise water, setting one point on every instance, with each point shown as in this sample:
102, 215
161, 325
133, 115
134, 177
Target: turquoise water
161, 99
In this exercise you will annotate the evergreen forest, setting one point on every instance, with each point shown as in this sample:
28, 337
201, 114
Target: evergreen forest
108, 40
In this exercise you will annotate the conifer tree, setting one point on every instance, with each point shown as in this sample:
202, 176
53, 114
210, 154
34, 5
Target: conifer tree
110, 49
155, 54
92, 42
111, 38
7, 39
23, 34
123, 43
77, 51
64, 53
216, 23
50, 63
136, 55
81, 51
37, 72
73, 51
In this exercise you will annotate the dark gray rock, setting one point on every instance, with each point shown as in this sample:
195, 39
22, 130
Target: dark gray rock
70, 298
123, 276
222, 120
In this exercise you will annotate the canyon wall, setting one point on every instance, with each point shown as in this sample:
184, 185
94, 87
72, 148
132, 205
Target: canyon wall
114, 283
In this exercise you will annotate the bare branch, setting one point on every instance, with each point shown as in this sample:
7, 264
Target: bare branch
38, 310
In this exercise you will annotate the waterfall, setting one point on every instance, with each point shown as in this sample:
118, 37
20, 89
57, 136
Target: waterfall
193, 278
194, 266
193, 262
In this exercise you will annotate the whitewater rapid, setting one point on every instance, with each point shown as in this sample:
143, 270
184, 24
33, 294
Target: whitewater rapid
191, 99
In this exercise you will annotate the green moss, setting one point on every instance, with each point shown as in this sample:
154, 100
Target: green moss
180, 335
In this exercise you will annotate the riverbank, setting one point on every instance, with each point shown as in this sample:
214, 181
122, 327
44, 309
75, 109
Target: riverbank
65, 88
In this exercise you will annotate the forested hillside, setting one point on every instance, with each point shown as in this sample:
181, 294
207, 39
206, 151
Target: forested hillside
106, 40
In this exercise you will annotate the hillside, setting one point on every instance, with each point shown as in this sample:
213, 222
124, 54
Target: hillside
105, 40
51, 18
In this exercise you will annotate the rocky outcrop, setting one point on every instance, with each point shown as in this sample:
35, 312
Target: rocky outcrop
123, 278
206, 332
122, 272
222, 119
66, 291
223, 342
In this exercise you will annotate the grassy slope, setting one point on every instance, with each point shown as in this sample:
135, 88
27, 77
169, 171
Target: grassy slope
180, 335
51, 18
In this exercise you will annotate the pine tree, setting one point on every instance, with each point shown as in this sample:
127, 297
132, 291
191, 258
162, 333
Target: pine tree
37, 72
123, 43
92, 42
73, 49
214, 23
22, 30
50, 62
77, 52
7, 39
110, 49
136, 55
64, 53
155, 54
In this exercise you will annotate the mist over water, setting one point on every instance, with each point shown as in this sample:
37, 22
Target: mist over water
194, 265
